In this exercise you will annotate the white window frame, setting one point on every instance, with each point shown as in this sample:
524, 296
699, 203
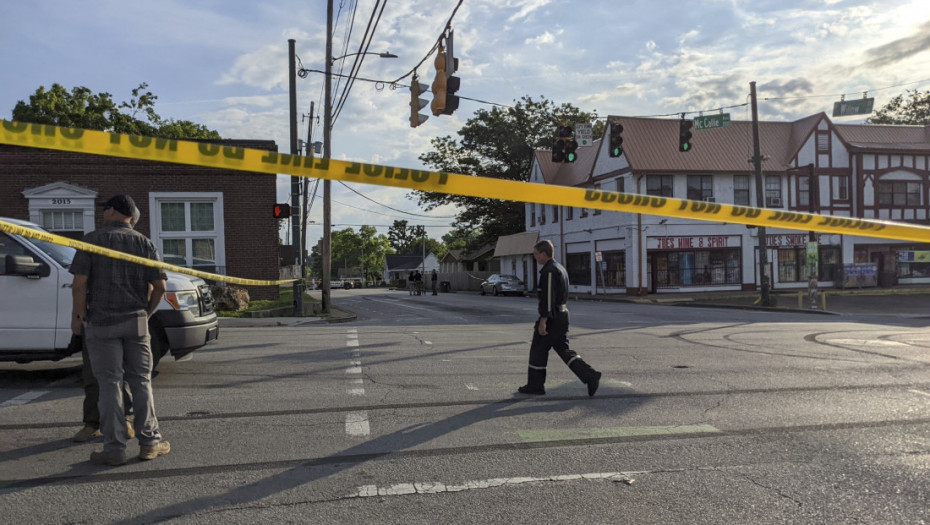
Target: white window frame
219, 228
59, 197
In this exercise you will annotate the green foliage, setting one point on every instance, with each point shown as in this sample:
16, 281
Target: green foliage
363, 252
81, 108
497, 143
913, 110
406, 240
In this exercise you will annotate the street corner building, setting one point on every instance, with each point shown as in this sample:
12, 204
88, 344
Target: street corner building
209, 219
809, 165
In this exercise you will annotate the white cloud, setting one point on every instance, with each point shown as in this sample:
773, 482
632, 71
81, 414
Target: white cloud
545, 38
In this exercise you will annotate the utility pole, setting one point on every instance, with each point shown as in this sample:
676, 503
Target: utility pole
296, 243
306, 210
760, 196
326, 250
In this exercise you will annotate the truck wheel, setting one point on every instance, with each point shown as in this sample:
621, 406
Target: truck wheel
159, 344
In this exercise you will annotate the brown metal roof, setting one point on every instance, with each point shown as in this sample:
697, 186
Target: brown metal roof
516, 244
568, 173
884, 137
652, 145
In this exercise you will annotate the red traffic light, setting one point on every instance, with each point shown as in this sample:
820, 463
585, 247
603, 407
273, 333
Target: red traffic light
282, 211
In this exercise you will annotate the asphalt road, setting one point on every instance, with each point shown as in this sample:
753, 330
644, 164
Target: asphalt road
409, 415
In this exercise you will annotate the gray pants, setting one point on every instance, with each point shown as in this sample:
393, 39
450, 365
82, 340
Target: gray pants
118, 353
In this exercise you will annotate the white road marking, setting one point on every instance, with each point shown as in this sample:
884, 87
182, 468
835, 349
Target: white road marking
427, 342
470, 386
22, 399
921, 392
434, 487
357, 424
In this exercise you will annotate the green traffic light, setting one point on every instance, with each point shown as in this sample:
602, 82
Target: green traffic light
571, 157
615, 152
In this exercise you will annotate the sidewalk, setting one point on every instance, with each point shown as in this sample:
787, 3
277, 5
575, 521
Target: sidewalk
336, 315
910, 300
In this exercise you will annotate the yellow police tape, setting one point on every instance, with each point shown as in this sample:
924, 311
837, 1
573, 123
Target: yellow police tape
244, 159
22, 231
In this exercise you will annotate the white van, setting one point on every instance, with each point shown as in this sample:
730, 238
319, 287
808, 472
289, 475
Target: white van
35, 304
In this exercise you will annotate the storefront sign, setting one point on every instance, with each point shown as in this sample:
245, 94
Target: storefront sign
914, 256
791, 240
699, 242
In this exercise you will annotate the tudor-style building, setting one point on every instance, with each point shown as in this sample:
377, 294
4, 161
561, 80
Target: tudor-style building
813, 164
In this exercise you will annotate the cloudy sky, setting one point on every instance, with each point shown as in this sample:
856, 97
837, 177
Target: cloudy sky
224, 64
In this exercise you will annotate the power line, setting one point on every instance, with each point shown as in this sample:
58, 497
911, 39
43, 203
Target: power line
353, 190
435, 46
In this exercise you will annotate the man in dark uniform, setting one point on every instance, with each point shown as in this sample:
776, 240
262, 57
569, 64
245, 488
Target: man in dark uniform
551, 330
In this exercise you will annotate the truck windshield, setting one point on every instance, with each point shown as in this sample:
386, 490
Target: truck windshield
63, 255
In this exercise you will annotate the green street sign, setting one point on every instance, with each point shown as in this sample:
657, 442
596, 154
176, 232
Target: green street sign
862, 106
712, 121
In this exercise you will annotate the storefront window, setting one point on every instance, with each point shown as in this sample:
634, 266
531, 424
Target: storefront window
698, 268
578, 266
792, 267
614, 273
913, 262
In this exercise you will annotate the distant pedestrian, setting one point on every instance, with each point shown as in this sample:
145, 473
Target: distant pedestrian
434, 278
112, 301
551, 329
411, 283
418, 282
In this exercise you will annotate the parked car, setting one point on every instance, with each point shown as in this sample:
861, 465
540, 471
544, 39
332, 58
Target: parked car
503, 284
37, 324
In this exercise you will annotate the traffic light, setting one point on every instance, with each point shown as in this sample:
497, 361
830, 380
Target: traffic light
571, 150
564, 148
417, 103
445, 85
616, 139
684, 135
282, 211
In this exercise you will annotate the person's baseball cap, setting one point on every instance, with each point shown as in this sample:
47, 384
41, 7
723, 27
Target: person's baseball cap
121, 203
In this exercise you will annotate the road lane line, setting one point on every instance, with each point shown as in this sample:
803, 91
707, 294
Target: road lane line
22, 399
357, 424
470, 386
435, 487
921, 392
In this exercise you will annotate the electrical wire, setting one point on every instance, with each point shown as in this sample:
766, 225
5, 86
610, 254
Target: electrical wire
360, 57
435, 46
353, 190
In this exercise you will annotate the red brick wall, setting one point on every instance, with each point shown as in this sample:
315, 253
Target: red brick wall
251, 234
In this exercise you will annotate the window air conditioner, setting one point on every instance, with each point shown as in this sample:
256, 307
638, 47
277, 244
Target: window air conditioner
773, 202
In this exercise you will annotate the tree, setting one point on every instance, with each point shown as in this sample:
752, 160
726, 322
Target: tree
498, 143
404, 240
363, 252
374, 249
81, 108
914, 110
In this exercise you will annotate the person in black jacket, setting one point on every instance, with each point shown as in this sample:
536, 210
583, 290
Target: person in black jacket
551, 329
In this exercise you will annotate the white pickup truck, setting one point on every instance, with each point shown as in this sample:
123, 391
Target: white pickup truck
35, 304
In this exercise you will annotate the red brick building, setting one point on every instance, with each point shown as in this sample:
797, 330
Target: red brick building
210, 219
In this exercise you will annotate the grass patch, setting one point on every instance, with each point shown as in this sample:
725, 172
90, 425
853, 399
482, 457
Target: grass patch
286, 298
